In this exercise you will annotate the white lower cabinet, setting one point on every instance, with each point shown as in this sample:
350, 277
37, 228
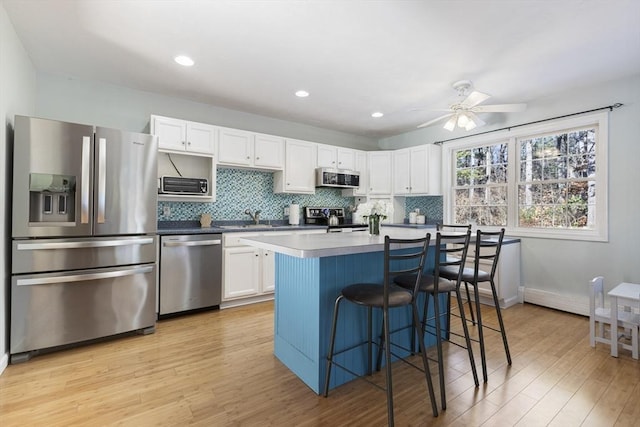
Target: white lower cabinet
507, 278
249, 273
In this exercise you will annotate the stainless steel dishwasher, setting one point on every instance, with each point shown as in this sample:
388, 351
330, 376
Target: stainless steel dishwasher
190, 272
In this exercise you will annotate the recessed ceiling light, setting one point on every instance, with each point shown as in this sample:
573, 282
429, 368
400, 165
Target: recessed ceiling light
184, 60
377, 115
302, 94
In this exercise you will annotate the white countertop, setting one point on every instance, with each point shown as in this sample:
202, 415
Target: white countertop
332, 244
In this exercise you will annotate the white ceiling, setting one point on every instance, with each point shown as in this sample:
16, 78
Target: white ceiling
354, 57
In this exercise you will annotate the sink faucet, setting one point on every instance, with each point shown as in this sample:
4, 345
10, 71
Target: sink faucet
254, 216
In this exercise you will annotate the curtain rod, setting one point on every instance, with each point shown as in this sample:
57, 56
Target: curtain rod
609, 107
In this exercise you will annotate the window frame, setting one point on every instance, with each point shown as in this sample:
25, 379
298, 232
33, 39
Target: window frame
599, 233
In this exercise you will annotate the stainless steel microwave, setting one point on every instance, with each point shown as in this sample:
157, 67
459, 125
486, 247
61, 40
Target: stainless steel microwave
182, 185
327, 177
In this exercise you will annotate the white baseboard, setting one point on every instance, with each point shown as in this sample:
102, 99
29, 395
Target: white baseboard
4, 362
245, 301
571, 304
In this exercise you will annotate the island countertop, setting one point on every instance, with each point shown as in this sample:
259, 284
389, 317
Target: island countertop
334, 244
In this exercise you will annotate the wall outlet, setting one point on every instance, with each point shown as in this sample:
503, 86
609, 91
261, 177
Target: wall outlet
166, 211
286, 211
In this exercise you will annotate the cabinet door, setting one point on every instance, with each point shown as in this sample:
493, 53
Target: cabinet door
299, 167
419, 170
269, 152
201, 138
379, 172
401, 172
361, 167
346, 159
235, 147
434, 169
327, 156
172, 133
241, 272
268, 271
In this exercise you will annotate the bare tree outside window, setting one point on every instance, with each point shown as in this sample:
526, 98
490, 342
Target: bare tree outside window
557, 182
481, 185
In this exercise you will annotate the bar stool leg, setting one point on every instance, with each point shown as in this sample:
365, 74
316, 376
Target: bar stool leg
466, 286
387, 351
467, 339
436, 308
331, 345
483, 356
499, 312
425, 362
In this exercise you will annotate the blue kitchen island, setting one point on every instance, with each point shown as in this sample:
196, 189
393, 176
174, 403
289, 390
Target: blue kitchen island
311, 270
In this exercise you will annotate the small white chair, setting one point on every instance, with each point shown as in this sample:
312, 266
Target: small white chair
629, 320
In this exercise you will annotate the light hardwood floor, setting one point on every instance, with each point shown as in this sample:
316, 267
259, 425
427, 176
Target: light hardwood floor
217, 369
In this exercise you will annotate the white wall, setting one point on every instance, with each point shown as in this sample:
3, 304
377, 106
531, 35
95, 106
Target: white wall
17, 96
69, 99
555, 272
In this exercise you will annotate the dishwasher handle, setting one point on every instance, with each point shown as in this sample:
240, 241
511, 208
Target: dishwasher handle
177, 243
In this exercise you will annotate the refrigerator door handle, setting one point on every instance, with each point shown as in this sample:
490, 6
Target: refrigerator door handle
171, 244
102, 178
82, 245
83, 277
85, 188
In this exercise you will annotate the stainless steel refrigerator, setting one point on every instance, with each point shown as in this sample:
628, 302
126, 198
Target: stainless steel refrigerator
84, 224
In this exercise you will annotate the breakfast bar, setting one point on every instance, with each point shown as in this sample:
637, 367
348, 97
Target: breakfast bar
311, 270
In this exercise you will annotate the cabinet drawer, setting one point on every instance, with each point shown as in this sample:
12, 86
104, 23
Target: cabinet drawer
233, 239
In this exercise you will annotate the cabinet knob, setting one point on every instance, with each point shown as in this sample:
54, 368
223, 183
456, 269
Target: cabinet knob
188, 142
182, 142
257, 158
257, 255
248, 157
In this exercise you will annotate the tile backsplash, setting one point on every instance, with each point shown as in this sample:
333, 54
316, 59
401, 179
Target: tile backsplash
238, 189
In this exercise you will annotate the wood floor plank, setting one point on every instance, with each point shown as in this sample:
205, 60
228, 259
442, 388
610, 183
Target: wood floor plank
218, 369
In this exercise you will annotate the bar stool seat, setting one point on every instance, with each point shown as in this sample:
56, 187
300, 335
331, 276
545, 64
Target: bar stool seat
368, 294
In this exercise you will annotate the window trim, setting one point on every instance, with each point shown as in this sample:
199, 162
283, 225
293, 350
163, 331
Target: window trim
601, 120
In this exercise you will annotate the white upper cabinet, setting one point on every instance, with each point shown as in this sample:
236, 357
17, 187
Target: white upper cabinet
184, 136
247, 149
417, 170
330, 156
269, 152
379, 172
299, 174
361, 167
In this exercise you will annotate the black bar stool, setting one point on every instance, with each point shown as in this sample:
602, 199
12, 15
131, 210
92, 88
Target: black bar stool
487, 251
451, 253
401, 256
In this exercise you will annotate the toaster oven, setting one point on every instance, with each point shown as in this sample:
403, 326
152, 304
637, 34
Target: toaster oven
182, 185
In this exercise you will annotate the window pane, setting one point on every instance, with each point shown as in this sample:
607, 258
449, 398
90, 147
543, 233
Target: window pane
554, 191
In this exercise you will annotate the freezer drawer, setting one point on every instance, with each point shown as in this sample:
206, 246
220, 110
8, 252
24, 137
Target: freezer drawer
49, 310
190, 272
45, 255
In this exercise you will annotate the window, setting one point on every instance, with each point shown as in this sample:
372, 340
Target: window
540, 180
481, 185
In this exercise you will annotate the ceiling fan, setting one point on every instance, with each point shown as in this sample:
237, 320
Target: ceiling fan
463, 113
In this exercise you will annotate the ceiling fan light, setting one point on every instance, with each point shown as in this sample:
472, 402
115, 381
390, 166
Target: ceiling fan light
451, 123
470, 125
463, 120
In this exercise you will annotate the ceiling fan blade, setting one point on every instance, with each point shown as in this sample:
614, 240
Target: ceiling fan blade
474, 99
499, 108
437, 119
